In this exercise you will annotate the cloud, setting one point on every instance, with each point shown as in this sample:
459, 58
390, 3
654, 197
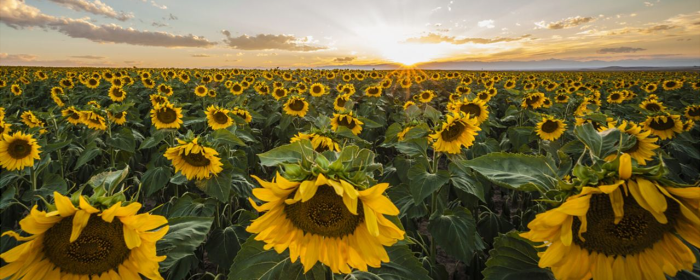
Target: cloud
172, 17
17, 57
201, 55
344, 59
648, 4
655, 28
159, 24
162, 7
97, 8
93, 57
33, 60
486, 23
620, 50
17, 14
434, 38
270, 42
564, 23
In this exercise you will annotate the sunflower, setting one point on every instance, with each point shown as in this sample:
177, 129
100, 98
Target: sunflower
56, 90
148, 83
346, 120
117, 118
672, 85
688, 125
319, 142
16, 90
201, 91
194, 160
92, 83
340, 101
117, 94
650, 87
474, 109
296, 106
510, 84
426, 96
609, 122
550, 128
157, 99
616, 97
236, 88
66, 83
693, 112
29, 119
374, 91
165, 89
93, 120
622, 230
583, 108
533, 100
211, 93
643, 149
218, 118
18, 151
463, 89
664, 126
402, 135
72, 243
457, 131
72, 114
242, 113
326, 220
561, 98
652, 105
408, 104
166, 115
57, 99
484, 96
5, 128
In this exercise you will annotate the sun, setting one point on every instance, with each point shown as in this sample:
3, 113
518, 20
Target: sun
410, 54
389, 43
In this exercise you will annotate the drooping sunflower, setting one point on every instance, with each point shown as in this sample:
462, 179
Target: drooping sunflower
18, 150
86, 243
16, 90
117, 118
664, 126
201, 91
326, 220
117, 94
347, 120
550, 128
643, 149
319, 142
296, 106
533, 100
652, 105
693, 112
218, 118
408, 104
166, 115
622, 230
475, 109
93, 120
426, 96
458, 130
72, 114
194, 160
31, 120
340, 101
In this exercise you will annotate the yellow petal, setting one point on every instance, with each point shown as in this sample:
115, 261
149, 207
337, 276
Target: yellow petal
131, 238
625, 169
350, 203
84, 205
337, 187
374, 191
80, 221
108, 215
371, 220
651, 194
307, 190
63, 205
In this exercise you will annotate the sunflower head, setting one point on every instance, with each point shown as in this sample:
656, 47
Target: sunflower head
663, 125
652, 105
166, 115
90, 240
321, 215
340, 102
457, 131
550, 128
194, 160
18, 150
533, 100
474, 109
218, 117
93, 120
693, 112
347, 120
426, 96
373, 91
242, 114
296, 106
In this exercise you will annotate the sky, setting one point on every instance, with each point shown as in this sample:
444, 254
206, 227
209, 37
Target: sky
318, 33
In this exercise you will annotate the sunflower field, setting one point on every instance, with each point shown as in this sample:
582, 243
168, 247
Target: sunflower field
348, 174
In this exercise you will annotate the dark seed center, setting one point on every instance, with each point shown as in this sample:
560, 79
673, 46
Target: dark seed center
197, 160
550, 126
167, 115
220, 117
453, 132
19, 149
297, 105
472, 109
348, 122
659, 124
325, 214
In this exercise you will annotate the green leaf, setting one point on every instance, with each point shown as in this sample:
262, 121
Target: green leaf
153, 140
55, 146
7, 197
90, 152
155, 179
422, 183
185, 235
432, 114
291, 153
218, 186
515, 171
514, 258
222, 246
402, 265
455, 231
603, 143
123, 140
463, 179
109, 179
226, 137
413, 147
253, 262
490, 225
189, 204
